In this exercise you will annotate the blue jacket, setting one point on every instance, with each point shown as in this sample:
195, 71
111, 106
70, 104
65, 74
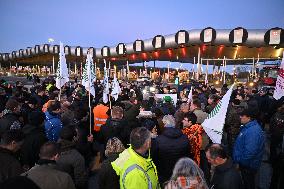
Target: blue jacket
249, 146
53, 126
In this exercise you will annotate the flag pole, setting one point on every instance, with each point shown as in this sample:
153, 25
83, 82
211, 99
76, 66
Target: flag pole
109, 98
90, 108
224, 73
206, 79
59, 97
193, 69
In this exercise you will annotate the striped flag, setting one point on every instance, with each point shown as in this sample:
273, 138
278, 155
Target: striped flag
214, 123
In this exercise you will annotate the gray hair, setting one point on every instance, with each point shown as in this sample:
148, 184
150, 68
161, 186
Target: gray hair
186, 167
139, 136
169, 121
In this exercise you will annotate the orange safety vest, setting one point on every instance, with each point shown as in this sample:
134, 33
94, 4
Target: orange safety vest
100, 116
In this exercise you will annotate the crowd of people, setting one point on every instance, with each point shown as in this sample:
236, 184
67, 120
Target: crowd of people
50, 139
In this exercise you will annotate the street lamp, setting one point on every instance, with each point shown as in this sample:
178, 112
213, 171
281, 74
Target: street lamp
50, 40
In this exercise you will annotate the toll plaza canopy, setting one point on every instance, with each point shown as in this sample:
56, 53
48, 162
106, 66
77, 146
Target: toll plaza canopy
239, 45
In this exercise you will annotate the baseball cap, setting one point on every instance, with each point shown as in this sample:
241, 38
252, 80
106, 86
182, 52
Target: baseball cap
167, 99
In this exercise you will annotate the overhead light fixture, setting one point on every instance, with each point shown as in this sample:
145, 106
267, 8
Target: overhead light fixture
274, 36
120, 49
208, 35
158, 42
78, 51
182, 37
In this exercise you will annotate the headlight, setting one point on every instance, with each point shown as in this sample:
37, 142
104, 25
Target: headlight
251, 84
152, 89
217, 82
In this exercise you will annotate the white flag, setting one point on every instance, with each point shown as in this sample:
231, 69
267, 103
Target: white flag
279, 89
189, 97
89, 76
214, 123
106, 85
115, 88
62, 75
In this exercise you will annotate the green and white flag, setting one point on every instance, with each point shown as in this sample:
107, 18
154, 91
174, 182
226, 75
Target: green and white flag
279, 88
89, 75
115, 88
62, 75
106, 84
189, 97
214, 123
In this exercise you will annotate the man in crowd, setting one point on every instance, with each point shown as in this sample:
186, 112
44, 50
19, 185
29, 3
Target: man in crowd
134, 165
115, 127
194, 134
9, 165
195, 107
46, 174
212, 102
180, 113
41, 96
100, 115
53, 124
233, 123
249, 148
202, 97
70, 160
3, 99
225, 174
34, 138
169, 147
10, 117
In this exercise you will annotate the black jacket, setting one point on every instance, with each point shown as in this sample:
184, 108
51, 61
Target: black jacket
34, 138
226, 176
9, 165
167, 149
107, 178
115, 128
73, 163
9, 121
130, 113
3, 101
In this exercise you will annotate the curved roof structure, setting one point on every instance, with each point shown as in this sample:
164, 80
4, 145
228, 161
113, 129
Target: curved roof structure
238, 45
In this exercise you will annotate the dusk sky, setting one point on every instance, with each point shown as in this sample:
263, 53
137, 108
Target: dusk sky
107, 22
